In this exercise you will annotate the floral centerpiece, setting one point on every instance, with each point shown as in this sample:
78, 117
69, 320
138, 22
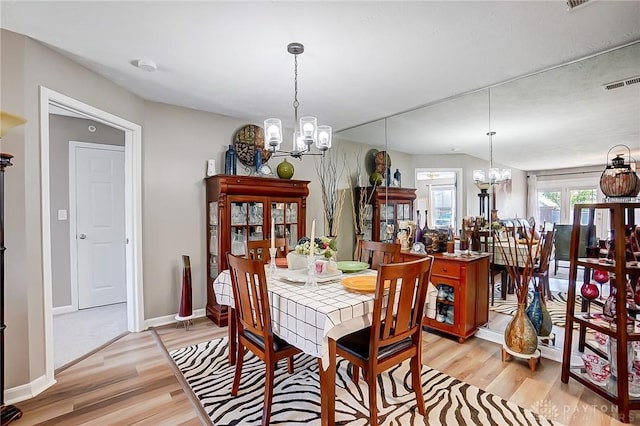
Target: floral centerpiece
324, 246
325, 249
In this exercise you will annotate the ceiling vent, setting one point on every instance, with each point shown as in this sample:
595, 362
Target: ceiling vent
572, 4
622, 83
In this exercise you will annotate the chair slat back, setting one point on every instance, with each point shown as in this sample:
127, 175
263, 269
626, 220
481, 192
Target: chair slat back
405, 299
250, 295
376, 253
283, 247
259, 250
546, 250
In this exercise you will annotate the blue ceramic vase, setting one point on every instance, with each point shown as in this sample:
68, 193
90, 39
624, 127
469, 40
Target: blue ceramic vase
539, 315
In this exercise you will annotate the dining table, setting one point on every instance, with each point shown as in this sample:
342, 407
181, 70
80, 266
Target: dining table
309, 319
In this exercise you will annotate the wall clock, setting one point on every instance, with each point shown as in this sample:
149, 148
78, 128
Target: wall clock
246, 141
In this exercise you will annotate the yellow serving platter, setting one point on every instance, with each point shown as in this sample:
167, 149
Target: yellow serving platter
365, 283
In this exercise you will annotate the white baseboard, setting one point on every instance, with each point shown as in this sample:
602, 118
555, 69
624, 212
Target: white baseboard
170, 319
63, 310
32, 389
28, 390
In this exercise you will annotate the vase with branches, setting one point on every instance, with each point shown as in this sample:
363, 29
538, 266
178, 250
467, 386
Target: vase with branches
329, 175
519, 260
360, 200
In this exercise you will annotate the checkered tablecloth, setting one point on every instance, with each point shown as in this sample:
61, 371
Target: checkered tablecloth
305, 318
508, 249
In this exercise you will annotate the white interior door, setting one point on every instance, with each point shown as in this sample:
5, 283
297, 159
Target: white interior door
100, 224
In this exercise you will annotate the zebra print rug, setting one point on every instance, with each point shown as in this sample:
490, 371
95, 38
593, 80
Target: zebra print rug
296, 397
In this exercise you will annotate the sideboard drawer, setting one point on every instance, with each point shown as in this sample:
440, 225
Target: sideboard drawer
447, 269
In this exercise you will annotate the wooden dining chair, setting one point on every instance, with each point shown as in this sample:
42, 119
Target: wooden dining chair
395, 333
541, 271
283, 247
376, 253
253, 321
259, 250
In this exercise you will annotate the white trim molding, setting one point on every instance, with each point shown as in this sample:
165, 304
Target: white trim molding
133, 212
170, 319
29, 390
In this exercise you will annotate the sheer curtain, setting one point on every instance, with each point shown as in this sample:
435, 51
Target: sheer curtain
532, 197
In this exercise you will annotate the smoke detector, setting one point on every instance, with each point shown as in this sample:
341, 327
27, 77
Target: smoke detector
621, 83
145, 64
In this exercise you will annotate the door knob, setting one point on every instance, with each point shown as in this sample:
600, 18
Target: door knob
82, 236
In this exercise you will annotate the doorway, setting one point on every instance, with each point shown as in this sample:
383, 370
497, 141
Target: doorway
439, 192
132, 207
96, 206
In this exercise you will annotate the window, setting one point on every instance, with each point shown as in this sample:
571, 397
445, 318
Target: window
556, 199
442, 205
437, 192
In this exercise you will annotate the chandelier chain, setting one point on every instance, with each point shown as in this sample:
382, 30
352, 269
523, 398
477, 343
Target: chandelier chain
295, 89
490, 135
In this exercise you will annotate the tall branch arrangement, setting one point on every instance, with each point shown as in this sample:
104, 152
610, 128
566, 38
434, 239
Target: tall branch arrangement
329, 175
520, 270
363, 200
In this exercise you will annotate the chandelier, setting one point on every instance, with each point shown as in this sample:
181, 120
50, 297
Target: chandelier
306, 130
482, 179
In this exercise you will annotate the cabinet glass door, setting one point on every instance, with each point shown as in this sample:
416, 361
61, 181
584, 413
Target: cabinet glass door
368, 218
214, 261
387, 221
255, 229
285, 216
239, 227
291, 225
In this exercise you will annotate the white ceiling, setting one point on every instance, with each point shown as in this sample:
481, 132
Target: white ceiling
363, 60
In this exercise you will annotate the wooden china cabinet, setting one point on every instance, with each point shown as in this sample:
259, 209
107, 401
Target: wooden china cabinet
386, 206
239, 209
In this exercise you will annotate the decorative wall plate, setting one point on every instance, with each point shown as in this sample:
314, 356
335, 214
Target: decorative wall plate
246, 140
379, 159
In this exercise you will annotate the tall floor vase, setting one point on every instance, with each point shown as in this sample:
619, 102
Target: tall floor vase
520, 336
185, 312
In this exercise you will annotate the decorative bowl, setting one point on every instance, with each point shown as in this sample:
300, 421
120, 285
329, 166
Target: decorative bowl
601, 339
598, 369
634, 383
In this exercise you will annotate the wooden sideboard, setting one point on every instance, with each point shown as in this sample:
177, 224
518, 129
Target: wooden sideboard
467, 279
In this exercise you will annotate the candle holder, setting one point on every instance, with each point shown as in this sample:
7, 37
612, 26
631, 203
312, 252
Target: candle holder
272, 264
312, 282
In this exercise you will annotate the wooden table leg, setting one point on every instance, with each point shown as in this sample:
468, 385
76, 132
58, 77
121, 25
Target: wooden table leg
328, 387
233, 336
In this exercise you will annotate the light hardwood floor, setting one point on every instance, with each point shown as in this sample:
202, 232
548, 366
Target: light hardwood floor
133, 381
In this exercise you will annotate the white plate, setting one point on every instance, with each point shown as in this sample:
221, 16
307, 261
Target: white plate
300, 275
